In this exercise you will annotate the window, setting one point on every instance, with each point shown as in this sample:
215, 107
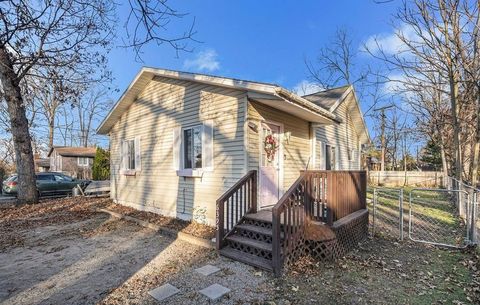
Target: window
63, 178
330, 157
130, 156
351, 155
192, 147
130, 145
45, 177
82, 161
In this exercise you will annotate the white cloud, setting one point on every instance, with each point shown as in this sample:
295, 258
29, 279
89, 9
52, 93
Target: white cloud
395, 85
204, 61
306, 87
390, 43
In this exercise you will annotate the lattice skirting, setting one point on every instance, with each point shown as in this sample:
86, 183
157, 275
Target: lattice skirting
347, 236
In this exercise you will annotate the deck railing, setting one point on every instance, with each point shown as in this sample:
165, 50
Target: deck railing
325, 196
335, 194
234, 204
289, 221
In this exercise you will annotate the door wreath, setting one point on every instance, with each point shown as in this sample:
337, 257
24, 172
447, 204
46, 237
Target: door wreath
270, 145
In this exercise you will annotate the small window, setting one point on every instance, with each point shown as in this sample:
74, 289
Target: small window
351, 155
192, 147
130, 154
330, 157
82, 161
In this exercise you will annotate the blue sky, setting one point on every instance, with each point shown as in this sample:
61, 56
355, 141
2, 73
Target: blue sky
258, 40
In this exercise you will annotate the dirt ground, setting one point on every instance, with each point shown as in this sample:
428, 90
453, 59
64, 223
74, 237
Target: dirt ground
64, 252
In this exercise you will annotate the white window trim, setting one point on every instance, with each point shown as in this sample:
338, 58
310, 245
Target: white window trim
123, 166
81, 164
192, 172
182, 147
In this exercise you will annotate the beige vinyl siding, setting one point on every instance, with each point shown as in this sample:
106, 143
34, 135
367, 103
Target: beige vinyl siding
341, 135
166, 104
296, 152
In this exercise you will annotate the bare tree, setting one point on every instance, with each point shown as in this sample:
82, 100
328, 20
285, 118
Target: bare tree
336, 62
438, 43
90, 108
70, 34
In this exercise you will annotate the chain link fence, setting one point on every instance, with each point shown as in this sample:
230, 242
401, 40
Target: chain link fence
434, 218
387, 213
446, 217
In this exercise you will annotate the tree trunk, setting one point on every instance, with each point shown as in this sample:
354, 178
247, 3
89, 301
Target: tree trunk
27, 190
456, 127
51, 132
476, 147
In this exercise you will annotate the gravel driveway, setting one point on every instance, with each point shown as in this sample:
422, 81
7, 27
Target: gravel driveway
58, 257
64, 253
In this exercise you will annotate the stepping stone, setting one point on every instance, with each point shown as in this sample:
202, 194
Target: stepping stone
163, 292
207, 270
215, 291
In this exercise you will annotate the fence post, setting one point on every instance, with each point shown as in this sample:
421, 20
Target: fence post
400, 204
473, 224
461, 208
374, 210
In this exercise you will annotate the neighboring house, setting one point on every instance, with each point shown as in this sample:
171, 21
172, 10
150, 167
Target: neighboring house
179, 140
42, 164
73, 161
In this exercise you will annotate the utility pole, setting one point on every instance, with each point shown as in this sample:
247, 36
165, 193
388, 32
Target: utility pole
382, 135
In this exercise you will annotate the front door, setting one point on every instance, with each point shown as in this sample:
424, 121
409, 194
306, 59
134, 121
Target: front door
270, 165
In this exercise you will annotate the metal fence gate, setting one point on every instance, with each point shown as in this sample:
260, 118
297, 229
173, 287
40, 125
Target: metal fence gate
387, 213
445, 217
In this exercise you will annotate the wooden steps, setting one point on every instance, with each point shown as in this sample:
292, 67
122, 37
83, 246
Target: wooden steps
247, 258
250, 241
255, 229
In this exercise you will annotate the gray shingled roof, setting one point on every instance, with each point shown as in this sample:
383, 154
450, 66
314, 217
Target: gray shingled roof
67, 151
327, 98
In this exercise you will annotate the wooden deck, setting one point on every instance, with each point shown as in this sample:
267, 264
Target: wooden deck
309, 210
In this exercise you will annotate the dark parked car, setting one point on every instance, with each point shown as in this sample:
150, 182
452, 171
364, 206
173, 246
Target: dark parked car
48, 183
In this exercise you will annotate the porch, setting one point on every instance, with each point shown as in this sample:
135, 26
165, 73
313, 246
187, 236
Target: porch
322, 214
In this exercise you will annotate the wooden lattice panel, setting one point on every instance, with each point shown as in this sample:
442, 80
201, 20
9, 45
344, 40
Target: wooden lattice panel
347, 237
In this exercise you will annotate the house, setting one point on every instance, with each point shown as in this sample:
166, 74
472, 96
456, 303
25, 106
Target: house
73, 161
41, 164
180, 140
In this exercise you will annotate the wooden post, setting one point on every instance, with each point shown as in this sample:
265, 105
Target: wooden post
276, 259
254, 192
330, 197
220, 224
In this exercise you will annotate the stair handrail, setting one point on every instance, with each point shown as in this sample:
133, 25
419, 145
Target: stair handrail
243, 198
287, 206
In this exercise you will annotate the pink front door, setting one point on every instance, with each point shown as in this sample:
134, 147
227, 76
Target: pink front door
270, 165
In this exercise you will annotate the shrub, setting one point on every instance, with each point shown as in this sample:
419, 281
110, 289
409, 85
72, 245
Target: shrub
101, 165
